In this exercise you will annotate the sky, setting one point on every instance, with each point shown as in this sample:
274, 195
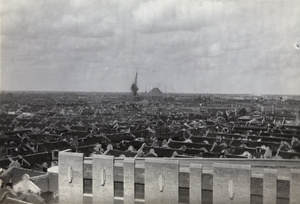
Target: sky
179, 46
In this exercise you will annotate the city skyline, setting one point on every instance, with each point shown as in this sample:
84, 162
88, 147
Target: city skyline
186, 46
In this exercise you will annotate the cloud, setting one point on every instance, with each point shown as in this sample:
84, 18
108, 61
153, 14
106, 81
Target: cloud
167, 16
188, 46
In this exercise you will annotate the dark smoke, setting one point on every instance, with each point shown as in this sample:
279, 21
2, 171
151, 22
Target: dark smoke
134, 89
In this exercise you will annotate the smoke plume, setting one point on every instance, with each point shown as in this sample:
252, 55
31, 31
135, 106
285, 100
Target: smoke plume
134, 89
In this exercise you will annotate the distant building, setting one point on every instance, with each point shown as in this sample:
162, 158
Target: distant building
155, 92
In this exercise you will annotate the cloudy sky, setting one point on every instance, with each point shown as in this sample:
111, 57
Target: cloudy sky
193, 46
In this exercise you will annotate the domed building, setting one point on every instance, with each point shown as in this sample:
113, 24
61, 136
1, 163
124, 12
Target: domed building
155, 92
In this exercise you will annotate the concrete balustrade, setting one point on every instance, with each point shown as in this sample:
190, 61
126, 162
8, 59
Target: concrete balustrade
103, 179
70, 179
129, 175
195, 187
295, 186
231, 183
269, 186
160, 180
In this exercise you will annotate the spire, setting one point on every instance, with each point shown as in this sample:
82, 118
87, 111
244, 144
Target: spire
136, 78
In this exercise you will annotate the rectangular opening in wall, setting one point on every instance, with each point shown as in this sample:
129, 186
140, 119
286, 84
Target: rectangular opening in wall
119, 189
256, 199
207, 197
88, 186
139, 191
184, 195
283, 191
282, 200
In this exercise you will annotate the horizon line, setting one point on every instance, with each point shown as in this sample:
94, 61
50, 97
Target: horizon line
128, 92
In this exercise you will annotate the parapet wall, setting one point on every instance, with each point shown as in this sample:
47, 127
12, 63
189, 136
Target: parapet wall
105, 179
